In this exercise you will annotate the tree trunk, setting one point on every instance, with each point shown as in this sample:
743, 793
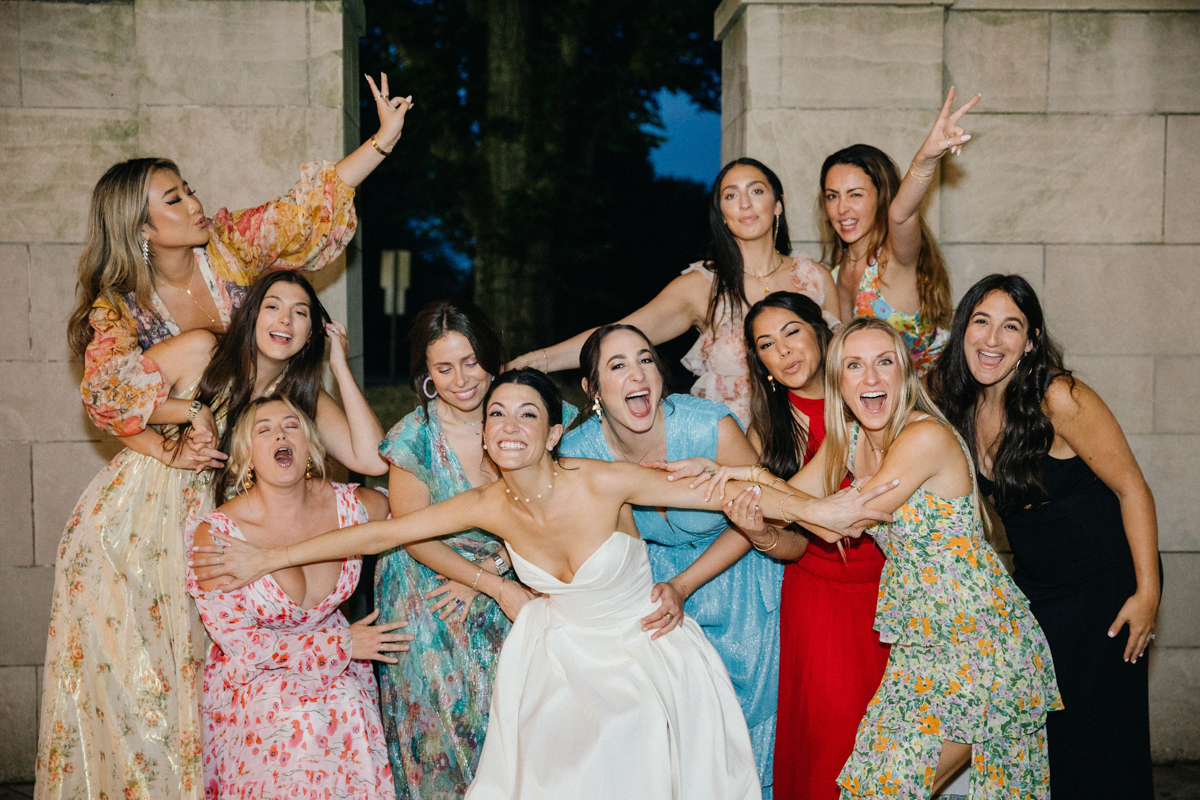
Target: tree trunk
506, 273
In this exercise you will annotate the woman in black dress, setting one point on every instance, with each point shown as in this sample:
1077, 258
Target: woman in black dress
1080, 520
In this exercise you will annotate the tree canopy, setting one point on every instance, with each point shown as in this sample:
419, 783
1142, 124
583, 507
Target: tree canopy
523, 177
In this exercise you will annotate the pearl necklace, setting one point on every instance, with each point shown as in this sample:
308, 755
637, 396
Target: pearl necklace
517, 498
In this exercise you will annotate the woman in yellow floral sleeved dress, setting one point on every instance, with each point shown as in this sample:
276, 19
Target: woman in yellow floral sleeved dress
120, 706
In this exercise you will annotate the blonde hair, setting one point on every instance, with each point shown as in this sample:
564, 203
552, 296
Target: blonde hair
838, 416
112, 261
241, 447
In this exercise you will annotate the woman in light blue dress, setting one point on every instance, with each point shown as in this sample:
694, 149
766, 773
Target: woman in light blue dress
701, 564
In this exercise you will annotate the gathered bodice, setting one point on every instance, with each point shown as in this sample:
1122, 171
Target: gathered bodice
611, 588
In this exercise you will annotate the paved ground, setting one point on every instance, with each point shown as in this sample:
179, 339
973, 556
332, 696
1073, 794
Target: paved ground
1171, 782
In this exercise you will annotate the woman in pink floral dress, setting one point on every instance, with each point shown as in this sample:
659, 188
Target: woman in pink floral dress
750, 247
290, 706
120, 699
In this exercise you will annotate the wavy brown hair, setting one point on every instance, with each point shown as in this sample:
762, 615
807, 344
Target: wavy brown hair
112, 261
933, 281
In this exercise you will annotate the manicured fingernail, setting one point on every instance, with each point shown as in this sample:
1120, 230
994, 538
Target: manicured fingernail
966, 137
1111, 634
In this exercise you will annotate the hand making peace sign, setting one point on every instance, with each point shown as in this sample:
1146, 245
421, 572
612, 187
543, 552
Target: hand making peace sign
391, 111
947, 135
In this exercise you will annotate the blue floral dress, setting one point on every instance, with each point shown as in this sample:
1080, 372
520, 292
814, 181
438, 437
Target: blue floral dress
738, 609
968, 663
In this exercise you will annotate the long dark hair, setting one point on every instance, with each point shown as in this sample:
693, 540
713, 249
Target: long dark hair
1027, 433
535, 379
589, 364
784, 439
724, 253
933, 281
440, 318
228, 382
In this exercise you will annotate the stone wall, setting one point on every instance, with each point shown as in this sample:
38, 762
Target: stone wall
1083, 175
239, 93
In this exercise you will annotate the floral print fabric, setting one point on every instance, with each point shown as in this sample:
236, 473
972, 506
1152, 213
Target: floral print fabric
305, 229
286, 712
968, 661
435, 701
925, 340
718, 358
120, 702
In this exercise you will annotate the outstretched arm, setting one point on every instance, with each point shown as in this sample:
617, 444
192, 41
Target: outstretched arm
238, 563
676, 308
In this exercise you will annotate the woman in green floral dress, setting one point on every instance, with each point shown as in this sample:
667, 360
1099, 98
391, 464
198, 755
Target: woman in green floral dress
970, 678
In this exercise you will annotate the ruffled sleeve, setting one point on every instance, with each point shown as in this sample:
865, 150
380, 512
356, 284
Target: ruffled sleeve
407, 446
121, 386
307, 228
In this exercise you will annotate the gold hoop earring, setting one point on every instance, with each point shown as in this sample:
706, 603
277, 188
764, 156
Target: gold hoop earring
308, 468
248, 482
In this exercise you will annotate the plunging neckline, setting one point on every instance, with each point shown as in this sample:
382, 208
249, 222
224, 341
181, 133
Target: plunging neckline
223, 313
269, 578
578, 569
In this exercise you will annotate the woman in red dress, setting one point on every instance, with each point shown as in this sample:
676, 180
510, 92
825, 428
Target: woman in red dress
830, 659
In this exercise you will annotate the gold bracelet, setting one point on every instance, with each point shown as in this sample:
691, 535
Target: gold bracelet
782, 516
500, 596
755, 478
678, 583
287, 555
773, 543
546, 358
378, 149
777, 480
922, 178
475, 582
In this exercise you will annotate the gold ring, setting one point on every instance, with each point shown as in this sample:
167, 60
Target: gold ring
669, 615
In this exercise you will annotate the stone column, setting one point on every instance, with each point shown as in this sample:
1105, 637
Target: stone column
239, 93
1083, 176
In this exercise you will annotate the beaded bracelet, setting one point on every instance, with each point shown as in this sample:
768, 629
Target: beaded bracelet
783, 516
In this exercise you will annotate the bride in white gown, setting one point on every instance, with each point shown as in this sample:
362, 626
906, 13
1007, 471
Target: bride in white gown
585, 704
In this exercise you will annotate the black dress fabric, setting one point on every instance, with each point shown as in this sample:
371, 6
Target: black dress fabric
1073, 562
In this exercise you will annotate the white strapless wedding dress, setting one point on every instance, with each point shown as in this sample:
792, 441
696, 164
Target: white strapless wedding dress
585, 705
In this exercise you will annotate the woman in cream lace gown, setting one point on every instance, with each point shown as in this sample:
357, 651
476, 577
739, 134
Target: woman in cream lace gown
585, 703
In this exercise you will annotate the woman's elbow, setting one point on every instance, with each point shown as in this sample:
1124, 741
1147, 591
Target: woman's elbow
370, 466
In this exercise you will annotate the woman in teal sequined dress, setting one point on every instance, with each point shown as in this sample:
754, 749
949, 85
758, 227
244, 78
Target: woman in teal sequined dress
435, 701
700, 563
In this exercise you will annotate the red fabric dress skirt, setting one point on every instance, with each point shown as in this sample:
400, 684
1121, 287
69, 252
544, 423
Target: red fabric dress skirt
830, 658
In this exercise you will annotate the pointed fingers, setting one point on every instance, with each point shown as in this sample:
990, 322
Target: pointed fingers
945, 112
383, 83
374, 88
967, 106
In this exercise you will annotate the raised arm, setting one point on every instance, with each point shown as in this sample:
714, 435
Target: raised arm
904, 221
354, 168
351, 432
1083, 420
679, 306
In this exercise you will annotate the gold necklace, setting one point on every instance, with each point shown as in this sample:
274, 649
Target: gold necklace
779, 266
625, 453
188, 292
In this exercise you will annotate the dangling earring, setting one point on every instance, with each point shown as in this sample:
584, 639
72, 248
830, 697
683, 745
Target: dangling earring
308, 468
775, 231
146, 251
596, 407
248, 483
771, 381
425, 389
